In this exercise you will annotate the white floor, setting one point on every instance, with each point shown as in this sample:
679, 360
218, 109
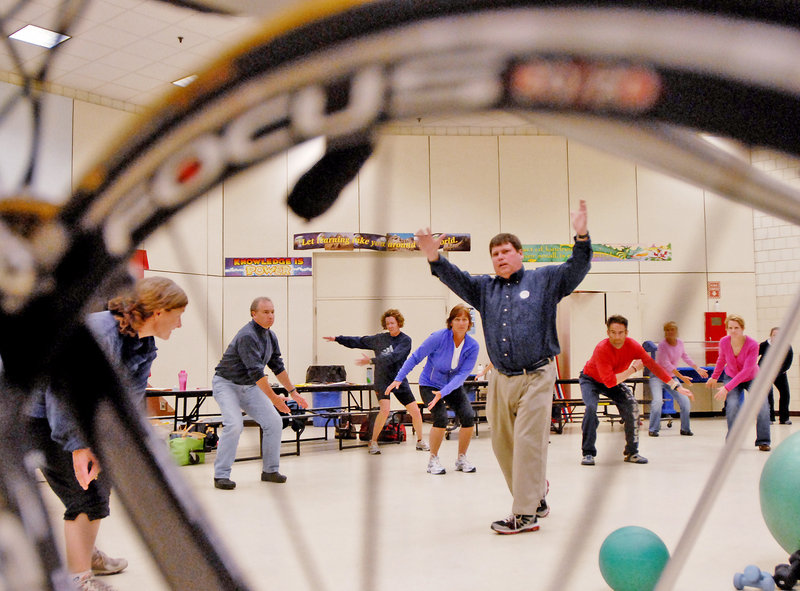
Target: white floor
432, 532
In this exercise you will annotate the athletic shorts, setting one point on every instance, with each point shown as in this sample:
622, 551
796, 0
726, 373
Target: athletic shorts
403, 393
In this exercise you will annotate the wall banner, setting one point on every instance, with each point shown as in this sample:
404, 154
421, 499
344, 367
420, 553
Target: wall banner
557, 253
380, 242
268, 267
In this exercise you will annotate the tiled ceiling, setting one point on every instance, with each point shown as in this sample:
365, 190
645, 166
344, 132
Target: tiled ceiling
127, 50
132, 50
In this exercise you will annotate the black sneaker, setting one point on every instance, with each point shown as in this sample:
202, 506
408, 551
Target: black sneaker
224, 483
273, 477
543, 510
687, 433
653, 433
635, 459
516, 524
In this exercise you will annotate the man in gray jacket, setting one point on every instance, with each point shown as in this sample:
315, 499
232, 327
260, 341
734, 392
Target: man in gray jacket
241, 385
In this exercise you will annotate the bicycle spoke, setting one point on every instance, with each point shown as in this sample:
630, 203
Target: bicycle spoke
641, 73
682, 154
158, 501
29, 556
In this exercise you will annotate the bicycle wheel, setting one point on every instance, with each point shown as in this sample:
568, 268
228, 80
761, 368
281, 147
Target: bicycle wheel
341, 69
29, 557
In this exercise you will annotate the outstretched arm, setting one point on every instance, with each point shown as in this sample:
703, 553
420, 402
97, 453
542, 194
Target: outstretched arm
636, 365
429, 244
278, 401
580, 221
291, 389
572, 272
685, 391
484, 371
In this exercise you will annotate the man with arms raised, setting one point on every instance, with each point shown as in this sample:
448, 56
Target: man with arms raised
518, 308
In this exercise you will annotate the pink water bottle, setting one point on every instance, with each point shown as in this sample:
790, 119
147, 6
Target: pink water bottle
182, 379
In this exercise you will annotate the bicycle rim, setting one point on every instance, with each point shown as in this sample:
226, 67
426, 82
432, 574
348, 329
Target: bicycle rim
343, 69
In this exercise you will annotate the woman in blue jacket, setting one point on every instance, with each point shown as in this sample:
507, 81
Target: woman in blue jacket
125, 333
451, 355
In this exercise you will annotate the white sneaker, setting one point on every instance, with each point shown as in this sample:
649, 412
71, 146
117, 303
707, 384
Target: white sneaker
373, 448
422, 446
516, 524
88, 582
462, 464
435, 466
103, 564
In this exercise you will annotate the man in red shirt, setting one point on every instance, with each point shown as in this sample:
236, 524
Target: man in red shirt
614, 360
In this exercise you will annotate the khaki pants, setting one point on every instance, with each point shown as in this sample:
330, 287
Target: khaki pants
519, 411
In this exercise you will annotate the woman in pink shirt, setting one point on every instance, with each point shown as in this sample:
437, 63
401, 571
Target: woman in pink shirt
738, 356
669, 355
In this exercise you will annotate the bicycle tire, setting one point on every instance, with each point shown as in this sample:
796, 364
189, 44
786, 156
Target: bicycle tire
29, 557
342, 69
370, 45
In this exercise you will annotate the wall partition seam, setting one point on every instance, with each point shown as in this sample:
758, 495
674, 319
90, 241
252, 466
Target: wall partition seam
499, 187
638, 230
430, 186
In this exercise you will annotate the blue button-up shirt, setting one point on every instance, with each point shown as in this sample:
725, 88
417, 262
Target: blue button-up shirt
519, 313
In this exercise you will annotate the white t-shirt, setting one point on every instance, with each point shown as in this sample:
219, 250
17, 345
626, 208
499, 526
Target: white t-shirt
456, 355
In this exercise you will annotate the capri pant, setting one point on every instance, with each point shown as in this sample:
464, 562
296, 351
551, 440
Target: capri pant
403, 393
60, 475
456, 401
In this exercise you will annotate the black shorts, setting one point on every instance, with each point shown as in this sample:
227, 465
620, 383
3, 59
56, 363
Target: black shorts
60, 475
403, 393
456, 401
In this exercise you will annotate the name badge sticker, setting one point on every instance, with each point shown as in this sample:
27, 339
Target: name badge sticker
524, 294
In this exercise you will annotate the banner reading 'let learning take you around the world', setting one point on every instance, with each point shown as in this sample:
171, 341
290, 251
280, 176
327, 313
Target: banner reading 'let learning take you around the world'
382, 242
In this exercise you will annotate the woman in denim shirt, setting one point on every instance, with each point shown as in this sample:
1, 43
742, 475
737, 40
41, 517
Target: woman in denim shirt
126, 334
451, 355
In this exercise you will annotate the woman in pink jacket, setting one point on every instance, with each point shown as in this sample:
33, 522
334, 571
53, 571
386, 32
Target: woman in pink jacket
738, 356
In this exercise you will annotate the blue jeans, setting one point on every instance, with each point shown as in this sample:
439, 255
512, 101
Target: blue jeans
733, 403
657, 388
628, 410
233, 399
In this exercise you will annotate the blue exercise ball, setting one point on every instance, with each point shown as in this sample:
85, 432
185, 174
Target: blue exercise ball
632, 559
779, 490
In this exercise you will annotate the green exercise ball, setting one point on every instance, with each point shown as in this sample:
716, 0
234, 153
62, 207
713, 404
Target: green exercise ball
779, 490
632, 558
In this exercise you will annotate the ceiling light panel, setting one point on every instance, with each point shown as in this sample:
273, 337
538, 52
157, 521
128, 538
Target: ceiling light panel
39, 36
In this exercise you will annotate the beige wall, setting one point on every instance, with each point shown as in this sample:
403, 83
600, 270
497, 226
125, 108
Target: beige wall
51, 177
478, 184
777, 255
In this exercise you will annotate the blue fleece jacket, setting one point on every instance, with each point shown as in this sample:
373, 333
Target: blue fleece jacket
438, 373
